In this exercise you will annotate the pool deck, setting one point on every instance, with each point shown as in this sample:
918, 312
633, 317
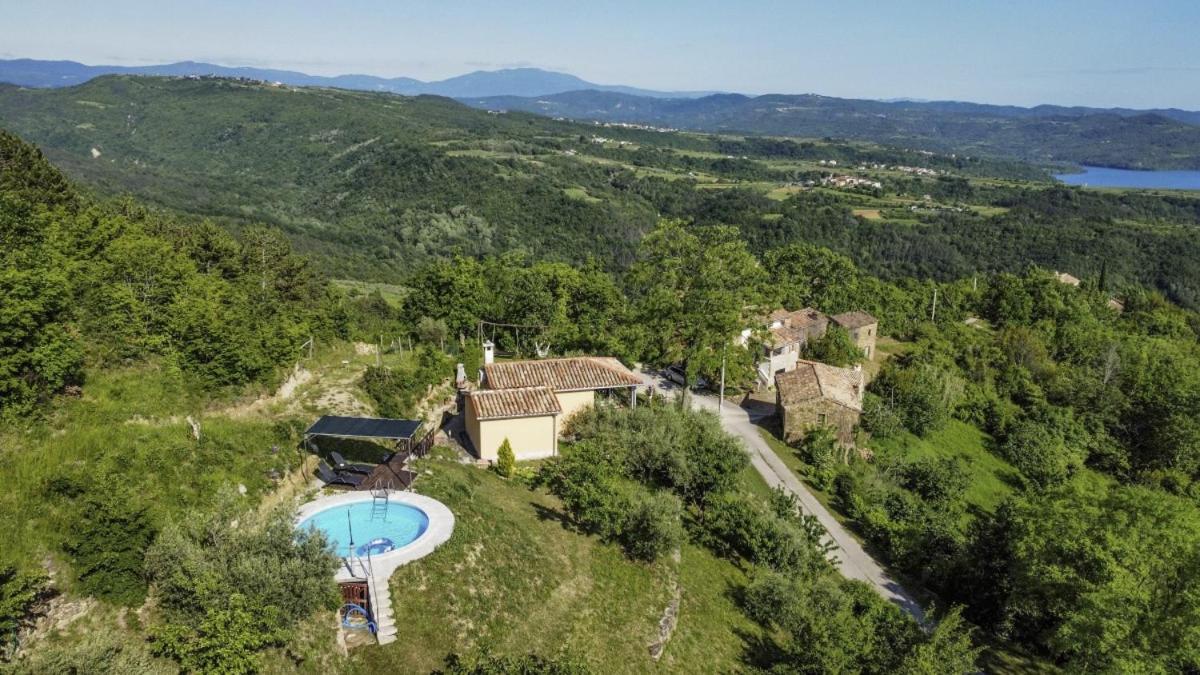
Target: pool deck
379, 572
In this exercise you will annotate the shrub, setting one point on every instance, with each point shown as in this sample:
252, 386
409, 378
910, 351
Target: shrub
1040, 453
229, 592
527, 664
95, 652
108, 543
879, 418
820, 450
506, 461
652, 527
940, 481
738, 525
397, 391
19, 593
835, 347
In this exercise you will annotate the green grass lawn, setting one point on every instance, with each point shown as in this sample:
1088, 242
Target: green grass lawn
515, 578
130, 425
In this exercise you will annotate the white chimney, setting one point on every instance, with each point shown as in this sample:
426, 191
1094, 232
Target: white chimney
489, 352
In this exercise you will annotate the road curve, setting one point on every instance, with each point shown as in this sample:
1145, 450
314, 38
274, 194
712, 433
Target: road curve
852, 560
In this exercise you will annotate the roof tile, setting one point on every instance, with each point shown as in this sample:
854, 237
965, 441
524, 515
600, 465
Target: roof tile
564, 374
490, 404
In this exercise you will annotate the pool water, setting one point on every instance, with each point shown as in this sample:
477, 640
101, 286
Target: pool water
399, 523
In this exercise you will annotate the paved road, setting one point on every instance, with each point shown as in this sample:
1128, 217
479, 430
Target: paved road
853, 561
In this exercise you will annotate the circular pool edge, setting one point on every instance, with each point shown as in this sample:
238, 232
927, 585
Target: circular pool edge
438, 531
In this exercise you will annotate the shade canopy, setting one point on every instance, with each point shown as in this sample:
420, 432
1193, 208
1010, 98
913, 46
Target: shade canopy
363, 427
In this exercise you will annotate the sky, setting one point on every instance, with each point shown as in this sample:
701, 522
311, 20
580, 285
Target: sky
1133, 53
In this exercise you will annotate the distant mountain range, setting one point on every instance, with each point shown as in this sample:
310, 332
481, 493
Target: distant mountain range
481, 83
1115, 137
1118, 137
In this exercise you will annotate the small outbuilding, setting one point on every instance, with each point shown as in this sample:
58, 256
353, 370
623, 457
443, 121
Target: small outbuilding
819, 395
526, 416
528, 402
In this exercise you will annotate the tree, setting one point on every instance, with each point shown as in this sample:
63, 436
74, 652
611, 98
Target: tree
506, 461
802, 275
835, 347
690, 286
947, 650
433, 331
1103, 578
1041, 453
212, 619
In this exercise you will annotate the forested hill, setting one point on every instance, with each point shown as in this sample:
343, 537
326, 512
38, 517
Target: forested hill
103, 284
1119, 138
373, 185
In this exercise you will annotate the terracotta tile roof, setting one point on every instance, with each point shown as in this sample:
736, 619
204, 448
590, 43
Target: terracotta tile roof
492, 404
817, 380
855, 319
577, 373
799, 325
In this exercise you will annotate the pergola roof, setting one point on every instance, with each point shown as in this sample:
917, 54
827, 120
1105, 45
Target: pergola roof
363, 427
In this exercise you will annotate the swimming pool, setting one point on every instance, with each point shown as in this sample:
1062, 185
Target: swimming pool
381, 527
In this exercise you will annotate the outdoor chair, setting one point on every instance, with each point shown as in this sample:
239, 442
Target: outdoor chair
341, 464
330, 477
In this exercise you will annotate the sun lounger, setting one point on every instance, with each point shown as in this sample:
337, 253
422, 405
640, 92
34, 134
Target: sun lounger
331, 477
341, 464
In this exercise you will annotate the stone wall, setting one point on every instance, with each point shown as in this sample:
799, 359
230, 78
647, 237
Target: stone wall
799, 418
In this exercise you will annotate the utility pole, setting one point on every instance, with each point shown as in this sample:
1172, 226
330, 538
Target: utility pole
721, 394
933, 312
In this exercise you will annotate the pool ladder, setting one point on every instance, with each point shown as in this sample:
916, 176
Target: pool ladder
379, 504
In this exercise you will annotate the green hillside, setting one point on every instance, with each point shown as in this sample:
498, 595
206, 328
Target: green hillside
372, 185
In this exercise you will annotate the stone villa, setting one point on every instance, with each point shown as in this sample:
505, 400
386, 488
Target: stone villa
814, 394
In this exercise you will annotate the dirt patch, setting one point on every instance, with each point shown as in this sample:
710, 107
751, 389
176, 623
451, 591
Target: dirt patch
869, 214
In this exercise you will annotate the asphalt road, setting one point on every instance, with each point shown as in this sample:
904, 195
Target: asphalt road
852, 560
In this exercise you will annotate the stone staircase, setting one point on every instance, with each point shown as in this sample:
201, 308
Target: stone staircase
385, 626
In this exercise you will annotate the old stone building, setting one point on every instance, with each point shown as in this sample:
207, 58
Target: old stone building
787, 333
863, 329
817, 395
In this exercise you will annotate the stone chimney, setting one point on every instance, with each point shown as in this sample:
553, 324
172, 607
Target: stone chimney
489, 352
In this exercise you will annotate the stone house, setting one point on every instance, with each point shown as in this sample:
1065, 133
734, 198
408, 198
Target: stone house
863, 329
788, 333
818, 395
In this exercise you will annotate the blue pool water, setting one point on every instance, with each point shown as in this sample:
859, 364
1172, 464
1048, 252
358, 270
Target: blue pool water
399, 523
1098, 176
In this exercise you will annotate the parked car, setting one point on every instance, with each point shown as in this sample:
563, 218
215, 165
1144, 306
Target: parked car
676, 374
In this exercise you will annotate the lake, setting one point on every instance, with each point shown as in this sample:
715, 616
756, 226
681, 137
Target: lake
1098, 176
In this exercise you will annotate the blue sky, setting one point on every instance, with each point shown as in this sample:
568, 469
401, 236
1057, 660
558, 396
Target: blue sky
1135, 53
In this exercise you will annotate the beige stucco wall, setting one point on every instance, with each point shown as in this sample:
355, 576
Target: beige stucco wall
530, 437
572, 402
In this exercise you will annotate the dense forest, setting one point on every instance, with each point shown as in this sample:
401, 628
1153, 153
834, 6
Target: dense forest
371, 184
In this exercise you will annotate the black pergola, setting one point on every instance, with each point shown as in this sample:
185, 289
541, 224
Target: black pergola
363, 427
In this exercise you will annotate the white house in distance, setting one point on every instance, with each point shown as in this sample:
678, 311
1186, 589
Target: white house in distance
527, 402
